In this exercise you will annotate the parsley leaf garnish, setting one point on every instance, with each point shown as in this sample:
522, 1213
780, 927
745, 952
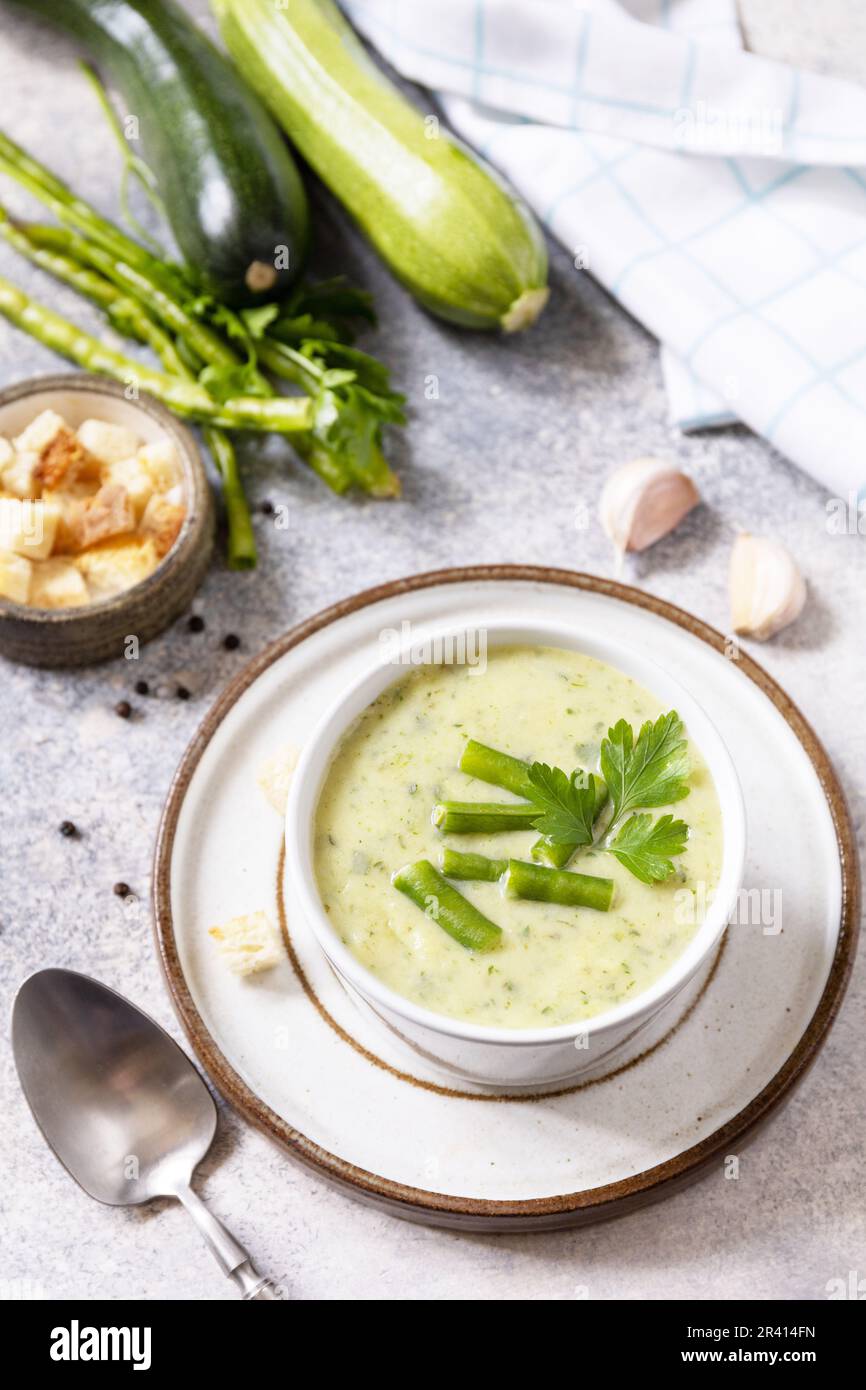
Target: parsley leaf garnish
567, 805
649, 772
644, 846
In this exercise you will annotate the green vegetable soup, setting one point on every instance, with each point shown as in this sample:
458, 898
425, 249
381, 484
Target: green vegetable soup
504, 927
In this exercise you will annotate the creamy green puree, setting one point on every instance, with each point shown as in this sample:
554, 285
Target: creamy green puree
555, 964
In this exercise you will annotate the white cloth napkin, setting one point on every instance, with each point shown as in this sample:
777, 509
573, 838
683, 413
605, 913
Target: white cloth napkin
719, 196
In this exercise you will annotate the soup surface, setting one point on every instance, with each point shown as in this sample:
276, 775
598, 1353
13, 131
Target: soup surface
555, 964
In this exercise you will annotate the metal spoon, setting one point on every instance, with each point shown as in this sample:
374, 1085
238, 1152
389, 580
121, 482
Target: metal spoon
120, 1104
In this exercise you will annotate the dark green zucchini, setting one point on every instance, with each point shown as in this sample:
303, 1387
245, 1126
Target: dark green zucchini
231, 191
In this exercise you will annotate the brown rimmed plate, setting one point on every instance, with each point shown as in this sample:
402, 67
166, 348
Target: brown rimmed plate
292, 1052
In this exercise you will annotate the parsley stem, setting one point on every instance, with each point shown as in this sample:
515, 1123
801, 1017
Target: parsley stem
476, 867
545, 885
446, 906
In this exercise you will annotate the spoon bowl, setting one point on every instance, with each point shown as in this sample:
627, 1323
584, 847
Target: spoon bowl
114, 1096
120, 1103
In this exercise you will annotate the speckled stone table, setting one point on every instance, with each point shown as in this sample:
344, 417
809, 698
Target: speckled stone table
497, 468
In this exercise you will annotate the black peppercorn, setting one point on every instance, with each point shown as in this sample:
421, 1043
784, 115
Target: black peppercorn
67, 828
142, 688
231, 642
123, 709
267, 509
196, 623
122, 890
182, 693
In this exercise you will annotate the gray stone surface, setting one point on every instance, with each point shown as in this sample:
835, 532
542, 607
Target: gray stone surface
497, 468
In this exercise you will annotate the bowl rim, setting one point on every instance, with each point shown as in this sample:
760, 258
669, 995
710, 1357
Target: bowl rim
322, 744
195, 477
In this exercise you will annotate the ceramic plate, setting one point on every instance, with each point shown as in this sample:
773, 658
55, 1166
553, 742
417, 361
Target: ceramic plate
295, 1054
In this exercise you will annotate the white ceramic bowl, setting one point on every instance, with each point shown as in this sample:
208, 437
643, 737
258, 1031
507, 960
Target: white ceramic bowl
504, 1056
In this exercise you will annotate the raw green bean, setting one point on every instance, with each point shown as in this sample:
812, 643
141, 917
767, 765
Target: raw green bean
447, 907
483, 817
283, 414
77, 212
131, 316
47, 247
203, 341
545, 885
455, 864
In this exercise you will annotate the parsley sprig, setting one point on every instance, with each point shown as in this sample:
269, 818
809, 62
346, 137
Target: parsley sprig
650, 770
645, 846
568, 804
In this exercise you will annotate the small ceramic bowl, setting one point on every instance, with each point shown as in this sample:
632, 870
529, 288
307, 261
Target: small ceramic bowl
506, 1056
98, 631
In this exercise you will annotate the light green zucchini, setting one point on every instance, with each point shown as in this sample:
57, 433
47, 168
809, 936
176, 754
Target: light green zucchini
448, 227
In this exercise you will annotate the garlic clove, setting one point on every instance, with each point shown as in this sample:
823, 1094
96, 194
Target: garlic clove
767, 589
644, 500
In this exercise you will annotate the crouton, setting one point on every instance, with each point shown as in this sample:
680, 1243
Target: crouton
70, 504
162, 521
248, 944
57, 584
162, 463
131, 475
108, 443
275, 774
39, 432
18, 475
61, 460
28, 528
115, 565
15, 574
109, 513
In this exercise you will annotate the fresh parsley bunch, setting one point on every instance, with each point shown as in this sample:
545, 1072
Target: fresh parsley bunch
650, 770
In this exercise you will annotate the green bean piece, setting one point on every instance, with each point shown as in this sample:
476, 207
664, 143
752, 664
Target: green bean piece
443, 904
545, 885
500, 769
483, 817
477, 867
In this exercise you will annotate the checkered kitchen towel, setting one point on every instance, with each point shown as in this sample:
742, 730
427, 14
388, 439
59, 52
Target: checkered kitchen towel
719, 196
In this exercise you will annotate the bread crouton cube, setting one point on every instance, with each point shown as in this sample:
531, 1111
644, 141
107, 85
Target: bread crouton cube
70, 503
113, 566
162, 521
162, 463
248, 944
61, 461
28, 528
15, 572
109, 513
39, 432
108, 443
275, 774
57, 584
18, 475
135, 478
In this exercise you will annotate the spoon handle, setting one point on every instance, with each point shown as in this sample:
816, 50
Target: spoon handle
229, 1254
